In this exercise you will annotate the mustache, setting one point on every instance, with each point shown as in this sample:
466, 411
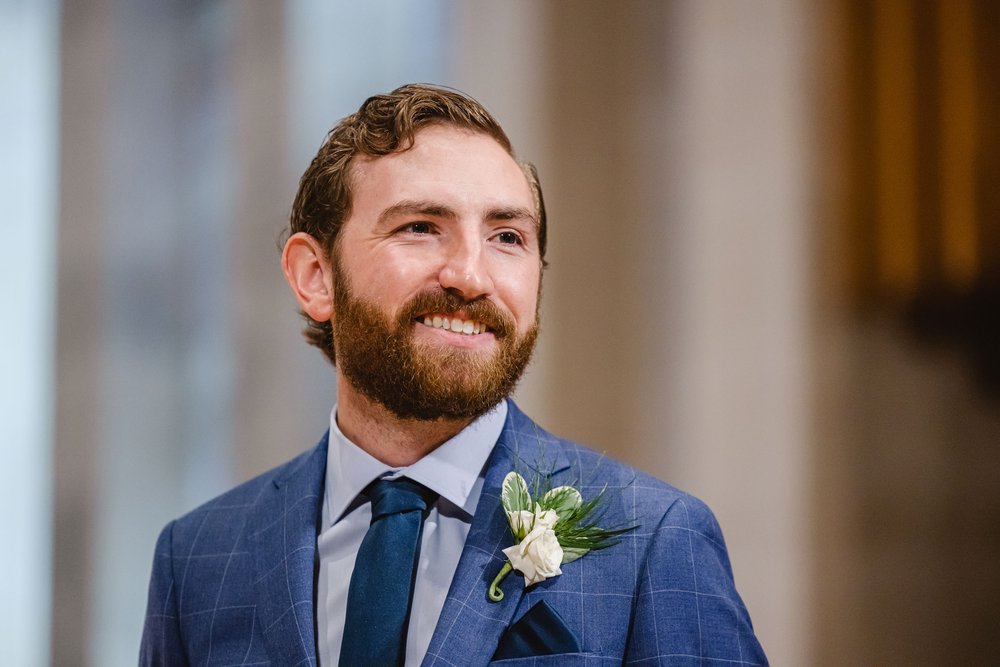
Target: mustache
441, 301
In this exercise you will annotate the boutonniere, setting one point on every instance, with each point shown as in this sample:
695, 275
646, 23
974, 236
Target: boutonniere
556, 528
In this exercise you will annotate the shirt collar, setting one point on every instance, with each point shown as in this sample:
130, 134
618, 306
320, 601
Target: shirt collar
452, 470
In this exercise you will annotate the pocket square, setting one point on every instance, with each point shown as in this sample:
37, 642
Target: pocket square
541, 631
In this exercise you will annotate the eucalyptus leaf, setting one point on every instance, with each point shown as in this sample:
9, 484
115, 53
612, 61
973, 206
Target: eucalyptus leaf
515, 496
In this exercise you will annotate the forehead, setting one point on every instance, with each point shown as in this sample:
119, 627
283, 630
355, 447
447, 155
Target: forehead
459, 166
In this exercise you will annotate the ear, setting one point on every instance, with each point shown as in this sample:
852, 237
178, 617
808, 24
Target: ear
309, 274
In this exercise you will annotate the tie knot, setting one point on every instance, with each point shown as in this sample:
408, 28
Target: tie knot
398, 495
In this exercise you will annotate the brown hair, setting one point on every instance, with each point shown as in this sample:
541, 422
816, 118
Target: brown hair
384, 124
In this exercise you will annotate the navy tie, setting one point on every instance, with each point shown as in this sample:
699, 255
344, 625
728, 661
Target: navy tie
378, 600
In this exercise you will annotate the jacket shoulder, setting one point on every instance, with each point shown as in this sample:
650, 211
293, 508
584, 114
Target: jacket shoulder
227, 511
648, 495
201, 592
629, 493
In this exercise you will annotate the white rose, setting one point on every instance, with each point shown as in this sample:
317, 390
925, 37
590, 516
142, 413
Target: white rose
520, 522
538, 555
523, 521
547, 518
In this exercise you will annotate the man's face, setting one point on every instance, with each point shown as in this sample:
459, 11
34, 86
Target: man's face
436, 277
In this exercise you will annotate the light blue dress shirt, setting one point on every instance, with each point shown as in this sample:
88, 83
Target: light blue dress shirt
454, 470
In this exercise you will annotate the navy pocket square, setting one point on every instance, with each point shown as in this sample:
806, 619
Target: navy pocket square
541, 631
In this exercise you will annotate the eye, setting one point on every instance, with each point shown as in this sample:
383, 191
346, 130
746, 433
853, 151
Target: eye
421, 228
418, 228
509, 238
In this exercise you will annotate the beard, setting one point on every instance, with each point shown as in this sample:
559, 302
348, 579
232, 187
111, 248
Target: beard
421, 380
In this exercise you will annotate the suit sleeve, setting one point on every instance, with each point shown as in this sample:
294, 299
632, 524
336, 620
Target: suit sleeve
161, 636
687, 609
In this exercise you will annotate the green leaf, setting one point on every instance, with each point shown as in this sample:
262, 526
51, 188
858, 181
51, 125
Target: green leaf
572, 553
515, 496
563, 499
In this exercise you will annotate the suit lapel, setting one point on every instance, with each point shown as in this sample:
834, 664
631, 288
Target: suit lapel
282, 542
470, 625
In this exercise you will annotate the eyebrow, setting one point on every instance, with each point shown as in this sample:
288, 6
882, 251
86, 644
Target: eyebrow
412, 207
511, 213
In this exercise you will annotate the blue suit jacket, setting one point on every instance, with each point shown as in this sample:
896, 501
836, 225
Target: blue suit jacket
233, 581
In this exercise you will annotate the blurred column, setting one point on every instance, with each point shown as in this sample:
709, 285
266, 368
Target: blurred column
84, 80
29, 39
144, 391
740, 275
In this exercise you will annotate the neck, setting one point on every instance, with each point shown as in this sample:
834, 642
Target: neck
393, 441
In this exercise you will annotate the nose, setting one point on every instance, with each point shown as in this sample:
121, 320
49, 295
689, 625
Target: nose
464, 271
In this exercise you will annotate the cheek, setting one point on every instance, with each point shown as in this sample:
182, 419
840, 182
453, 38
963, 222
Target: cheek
387, 281
521, 296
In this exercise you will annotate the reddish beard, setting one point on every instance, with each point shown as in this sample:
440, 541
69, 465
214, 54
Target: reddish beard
419, 380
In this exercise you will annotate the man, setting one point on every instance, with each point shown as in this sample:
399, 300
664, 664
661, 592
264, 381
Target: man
416, 252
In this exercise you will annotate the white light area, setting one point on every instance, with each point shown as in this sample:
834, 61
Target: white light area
28, 174
340, 52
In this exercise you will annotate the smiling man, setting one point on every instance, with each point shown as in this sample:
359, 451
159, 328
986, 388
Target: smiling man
416, 254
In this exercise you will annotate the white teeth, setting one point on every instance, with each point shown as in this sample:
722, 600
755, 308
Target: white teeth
467, 327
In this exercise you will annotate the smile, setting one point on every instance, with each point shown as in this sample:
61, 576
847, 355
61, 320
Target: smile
455, 324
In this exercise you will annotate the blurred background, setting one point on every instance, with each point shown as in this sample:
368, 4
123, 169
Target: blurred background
774, 281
